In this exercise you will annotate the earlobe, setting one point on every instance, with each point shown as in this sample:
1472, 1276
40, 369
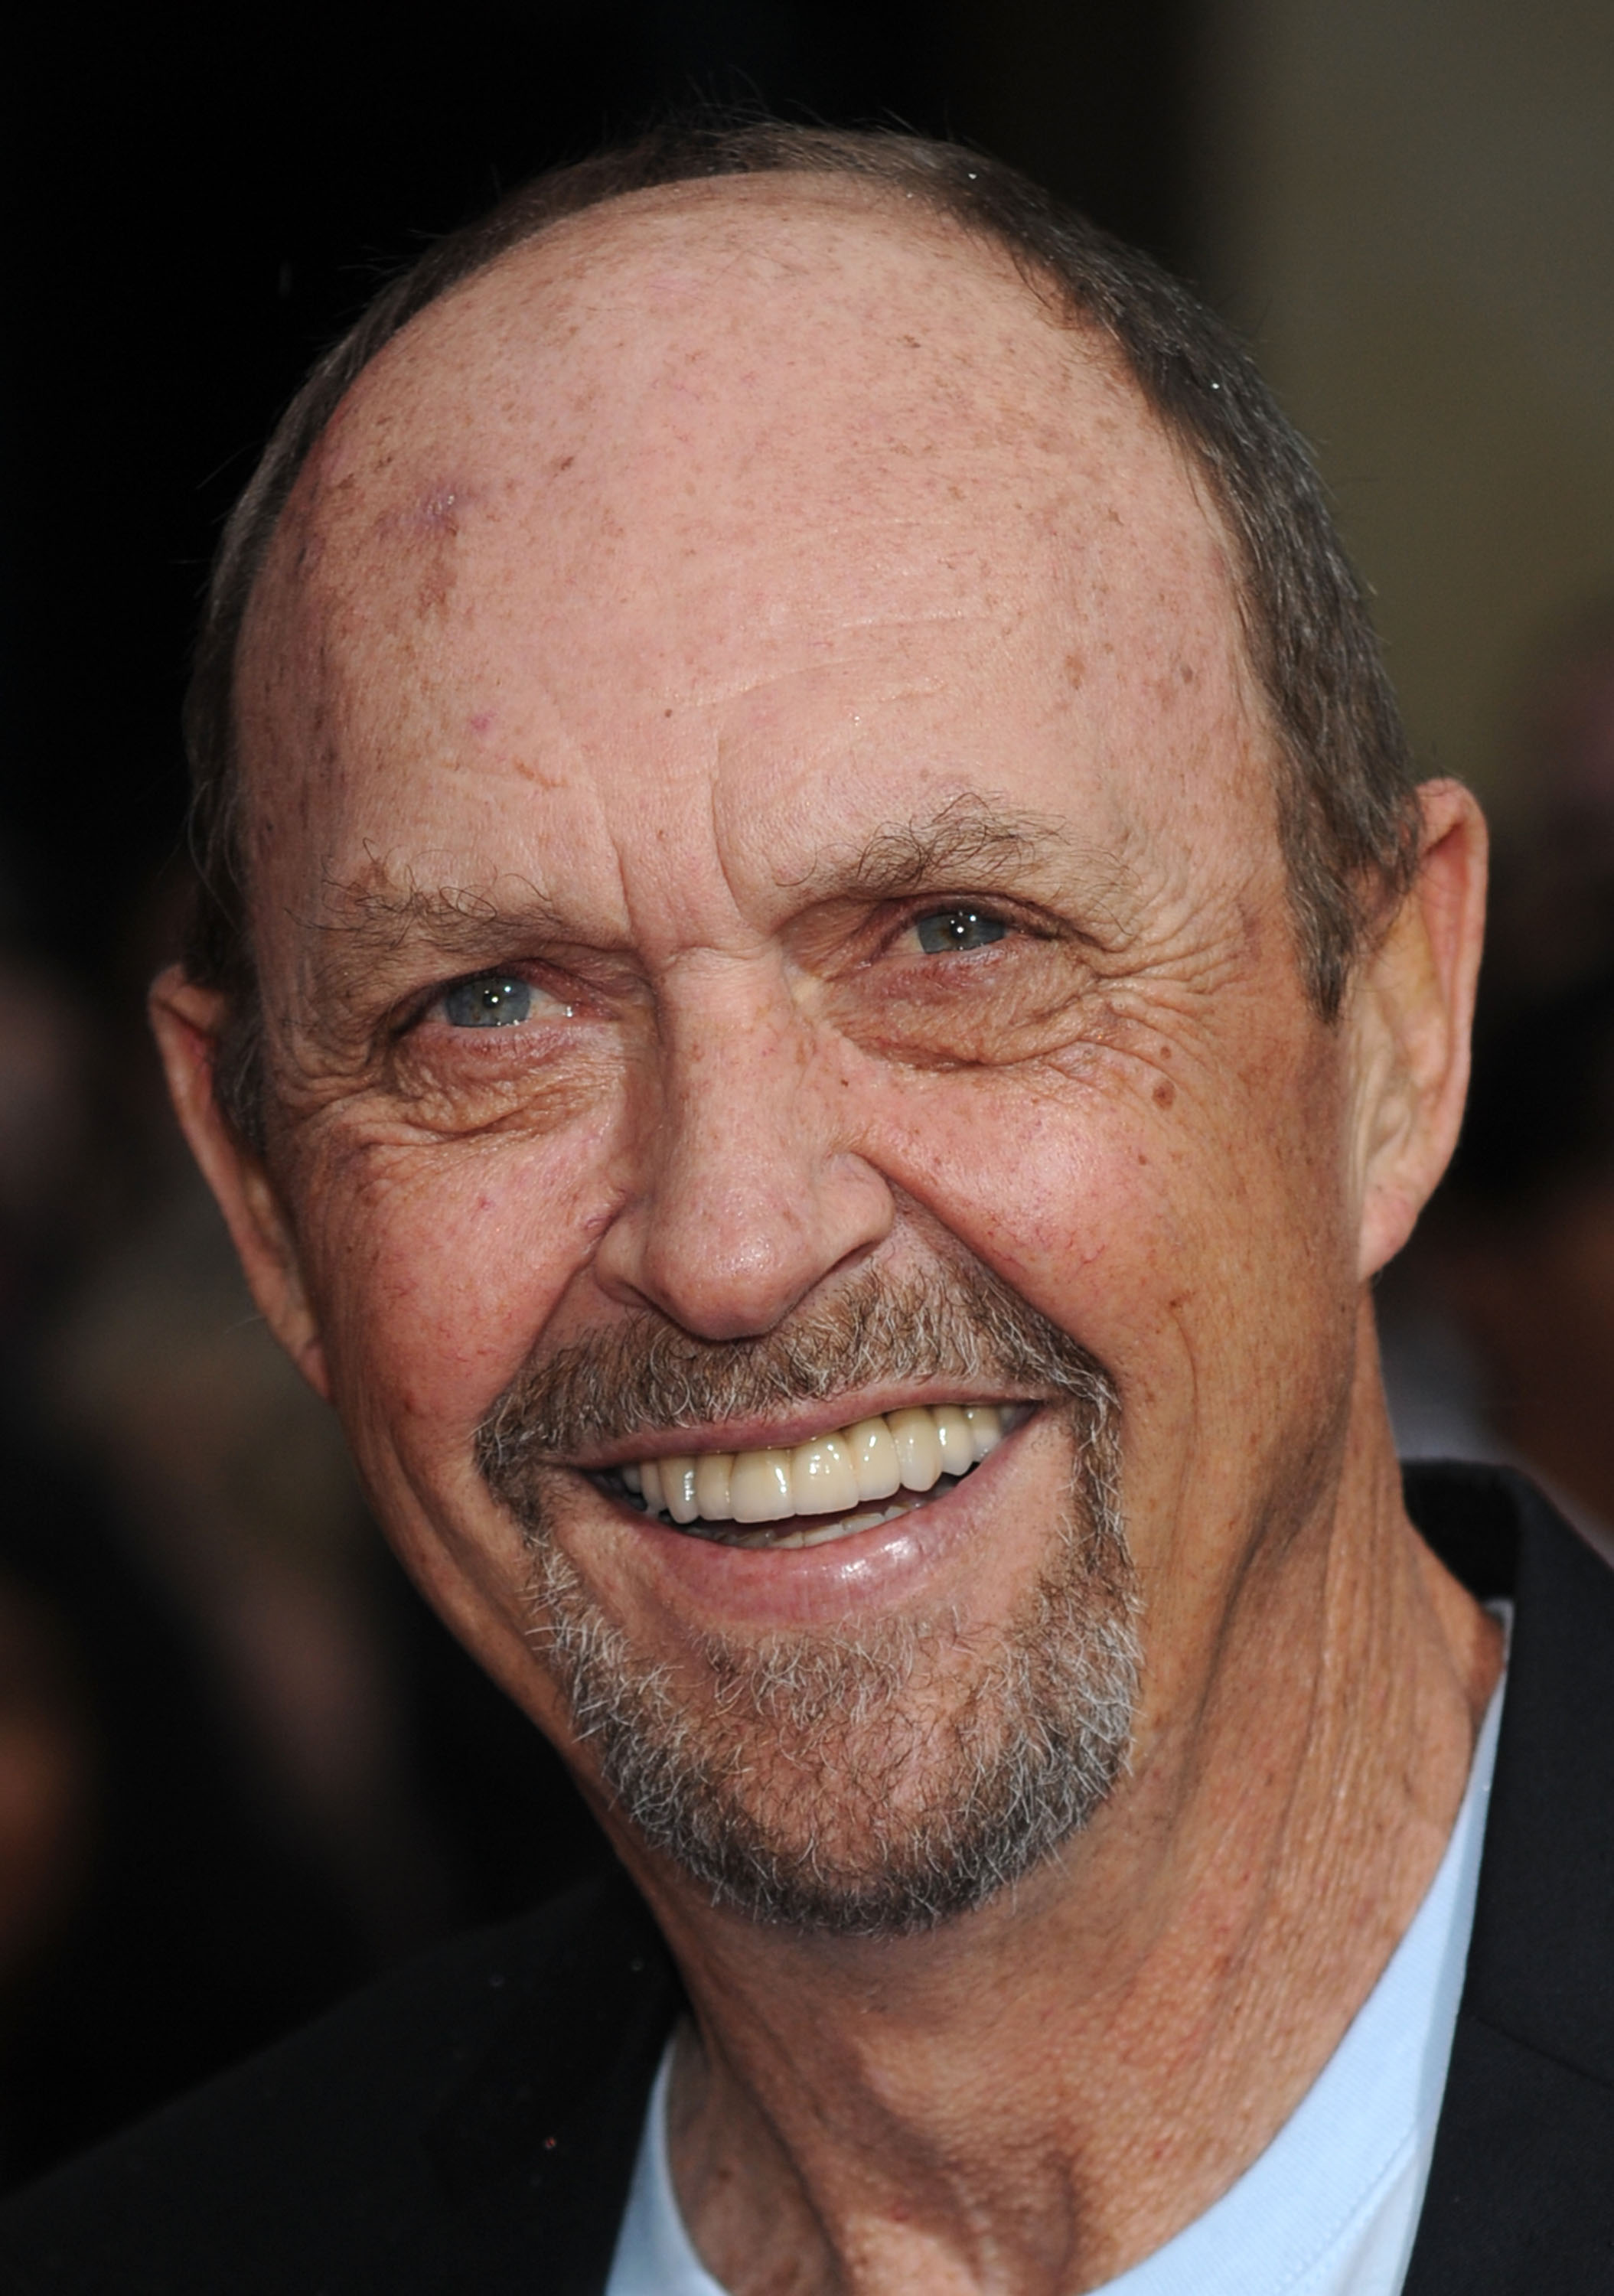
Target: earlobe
1412, 1015
188, 1021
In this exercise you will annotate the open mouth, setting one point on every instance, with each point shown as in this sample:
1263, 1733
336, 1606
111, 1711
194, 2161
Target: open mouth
829, 1488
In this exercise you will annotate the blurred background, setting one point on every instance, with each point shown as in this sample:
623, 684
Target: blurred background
242, 1768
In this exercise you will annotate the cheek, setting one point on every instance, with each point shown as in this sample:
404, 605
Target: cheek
1185, 1243
433, 1267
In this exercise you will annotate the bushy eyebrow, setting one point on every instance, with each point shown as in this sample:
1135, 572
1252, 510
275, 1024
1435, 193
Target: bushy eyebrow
968, 838
376, 918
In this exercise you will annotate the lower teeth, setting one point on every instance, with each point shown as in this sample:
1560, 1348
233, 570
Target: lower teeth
822, 1533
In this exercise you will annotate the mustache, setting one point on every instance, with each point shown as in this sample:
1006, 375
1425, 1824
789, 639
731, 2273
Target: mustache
645, 1373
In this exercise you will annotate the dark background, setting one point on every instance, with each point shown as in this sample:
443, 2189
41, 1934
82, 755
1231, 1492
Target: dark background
201, 197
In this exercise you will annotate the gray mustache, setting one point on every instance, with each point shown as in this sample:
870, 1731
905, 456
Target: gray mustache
645, 1373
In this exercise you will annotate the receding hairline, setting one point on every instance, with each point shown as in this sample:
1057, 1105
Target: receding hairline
902, 217
575, 250
872, 198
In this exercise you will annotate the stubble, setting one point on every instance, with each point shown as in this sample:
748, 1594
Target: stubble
867, 1785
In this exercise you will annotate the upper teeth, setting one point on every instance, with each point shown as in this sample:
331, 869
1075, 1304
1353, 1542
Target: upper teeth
832, 1474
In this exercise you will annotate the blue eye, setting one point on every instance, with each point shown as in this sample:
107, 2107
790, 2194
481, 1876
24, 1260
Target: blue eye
491, 1001
946, 931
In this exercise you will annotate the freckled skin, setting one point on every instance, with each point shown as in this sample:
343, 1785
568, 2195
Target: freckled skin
778, 527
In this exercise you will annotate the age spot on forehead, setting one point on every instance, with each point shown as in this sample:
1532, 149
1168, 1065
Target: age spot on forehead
440, 509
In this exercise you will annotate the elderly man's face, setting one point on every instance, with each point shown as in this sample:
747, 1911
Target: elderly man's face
768, 890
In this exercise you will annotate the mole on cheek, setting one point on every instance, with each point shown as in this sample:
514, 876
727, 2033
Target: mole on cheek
1165, 1092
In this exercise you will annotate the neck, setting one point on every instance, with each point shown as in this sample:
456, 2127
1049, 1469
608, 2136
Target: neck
1038, 2096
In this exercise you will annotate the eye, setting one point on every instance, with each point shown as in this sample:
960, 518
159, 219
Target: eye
946, 932
490, 1000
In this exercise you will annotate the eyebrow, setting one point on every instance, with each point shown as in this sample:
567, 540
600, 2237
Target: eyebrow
968, 837
378, 917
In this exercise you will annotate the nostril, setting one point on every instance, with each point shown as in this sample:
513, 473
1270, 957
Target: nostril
726, 1244
738, 1293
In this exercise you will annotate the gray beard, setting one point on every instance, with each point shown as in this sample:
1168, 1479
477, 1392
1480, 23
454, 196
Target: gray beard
859, 1787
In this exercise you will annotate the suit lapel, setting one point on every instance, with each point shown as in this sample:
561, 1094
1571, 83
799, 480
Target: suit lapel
1520, 2194
533, 2153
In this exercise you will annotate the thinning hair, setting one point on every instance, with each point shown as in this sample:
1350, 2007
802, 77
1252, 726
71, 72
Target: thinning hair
1346, 813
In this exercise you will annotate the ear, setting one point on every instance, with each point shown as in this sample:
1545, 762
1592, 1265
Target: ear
188, 1023
1410, 1013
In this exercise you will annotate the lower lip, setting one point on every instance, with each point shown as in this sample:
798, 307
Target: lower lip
774, 1586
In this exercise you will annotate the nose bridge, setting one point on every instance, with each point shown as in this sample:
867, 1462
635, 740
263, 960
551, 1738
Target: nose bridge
748, 1195
731, 1028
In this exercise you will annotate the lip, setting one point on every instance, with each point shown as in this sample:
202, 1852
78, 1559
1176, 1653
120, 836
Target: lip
788, 1428
714, 1585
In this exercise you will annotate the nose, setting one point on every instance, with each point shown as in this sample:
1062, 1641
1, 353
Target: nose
749, 1193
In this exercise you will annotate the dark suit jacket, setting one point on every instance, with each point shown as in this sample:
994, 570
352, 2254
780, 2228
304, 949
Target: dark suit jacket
469, 2125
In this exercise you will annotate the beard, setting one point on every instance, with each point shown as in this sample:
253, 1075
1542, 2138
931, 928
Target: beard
870, 1784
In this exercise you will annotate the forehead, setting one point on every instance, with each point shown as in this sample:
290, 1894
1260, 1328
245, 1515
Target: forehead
766, 456
679, 349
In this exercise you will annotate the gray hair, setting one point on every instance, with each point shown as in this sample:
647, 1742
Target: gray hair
1347, 809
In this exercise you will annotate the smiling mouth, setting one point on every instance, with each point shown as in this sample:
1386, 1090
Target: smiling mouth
808, 1494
